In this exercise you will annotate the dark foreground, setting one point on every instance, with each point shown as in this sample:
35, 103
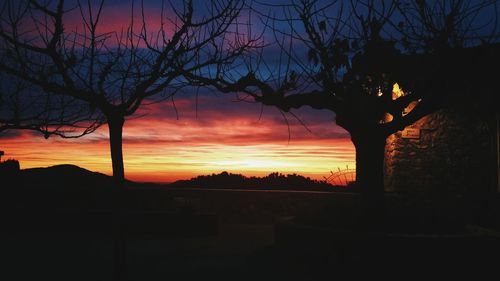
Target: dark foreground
179, 234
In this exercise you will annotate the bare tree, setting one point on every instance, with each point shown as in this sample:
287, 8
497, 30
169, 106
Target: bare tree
24, 107
436, 25
354, 57
116, 72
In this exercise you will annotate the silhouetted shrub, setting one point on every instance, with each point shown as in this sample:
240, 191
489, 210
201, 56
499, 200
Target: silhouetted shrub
9, 167
275, 181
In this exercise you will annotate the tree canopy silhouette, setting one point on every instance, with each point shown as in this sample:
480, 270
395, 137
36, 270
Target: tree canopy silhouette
276, 181
25, 107
114, 73
377, 66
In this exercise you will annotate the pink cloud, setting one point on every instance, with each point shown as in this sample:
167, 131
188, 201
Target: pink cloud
158, 147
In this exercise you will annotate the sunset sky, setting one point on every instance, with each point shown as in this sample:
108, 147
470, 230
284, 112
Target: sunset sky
213, 134
225, 136
210, 134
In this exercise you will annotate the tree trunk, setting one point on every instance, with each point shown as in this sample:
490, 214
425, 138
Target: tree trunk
370, 151
115, 125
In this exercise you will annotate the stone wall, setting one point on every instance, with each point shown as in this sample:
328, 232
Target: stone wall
453, 153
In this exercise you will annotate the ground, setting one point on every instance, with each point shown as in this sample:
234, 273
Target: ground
242, 235
89, 256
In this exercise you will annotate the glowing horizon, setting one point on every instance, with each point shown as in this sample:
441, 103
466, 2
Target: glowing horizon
221, 136
213, 133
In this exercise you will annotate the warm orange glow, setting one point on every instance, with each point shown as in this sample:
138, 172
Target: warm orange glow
388, 118
410, 107
379, 92
165, 162
164, 149
246, 159
397, 91
225, 136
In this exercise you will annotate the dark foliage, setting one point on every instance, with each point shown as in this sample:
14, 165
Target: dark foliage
273, 181
10, 166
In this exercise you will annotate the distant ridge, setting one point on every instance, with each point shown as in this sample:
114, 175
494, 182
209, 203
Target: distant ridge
63, 168
72, 178
64, 177
273, 181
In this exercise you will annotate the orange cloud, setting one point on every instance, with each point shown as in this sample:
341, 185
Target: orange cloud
213, 135
227, 137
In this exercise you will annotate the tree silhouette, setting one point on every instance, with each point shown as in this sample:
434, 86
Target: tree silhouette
276, 181
23, 107
116, 72
357, 57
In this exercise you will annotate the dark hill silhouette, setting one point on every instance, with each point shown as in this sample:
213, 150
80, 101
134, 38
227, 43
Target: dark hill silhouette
61, 177
56, 187
273, 181
72, 178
